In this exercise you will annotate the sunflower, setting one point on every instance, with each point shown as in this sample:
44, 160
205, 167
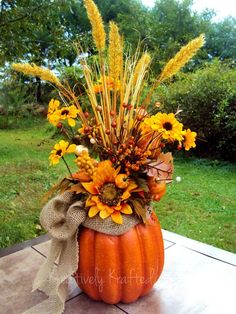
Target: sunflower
189, 139
59, 150
109, 192
167, 125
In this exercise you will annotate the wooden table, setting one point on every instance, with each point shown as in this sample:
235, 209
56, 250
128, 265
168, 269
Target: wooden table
197, 278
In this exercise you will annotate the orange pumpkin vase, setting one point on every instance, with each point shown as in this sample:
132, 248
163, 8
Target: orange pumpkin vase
121, 268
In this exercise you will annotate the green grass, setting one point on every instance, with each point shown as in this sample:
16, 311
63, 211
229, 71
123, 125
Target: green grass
25, 177
202, 206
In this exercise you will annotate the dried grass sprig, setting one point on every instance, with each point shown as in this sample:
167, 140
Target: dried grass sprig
141, 66
98, 32
115, 52
34, 70
182, 57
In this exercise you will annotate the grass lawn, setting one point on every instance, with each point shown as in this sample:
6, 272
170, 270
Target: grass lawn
202, 206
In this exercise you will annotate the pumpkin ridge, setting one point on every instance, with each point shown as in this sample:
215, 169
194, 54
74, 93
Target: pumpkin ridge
120, 266
159, 244
142, 248
95, 264
132, 266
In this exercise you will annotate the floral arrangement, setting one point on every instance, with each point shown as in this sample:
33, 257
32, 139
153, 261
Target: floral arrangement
119, 136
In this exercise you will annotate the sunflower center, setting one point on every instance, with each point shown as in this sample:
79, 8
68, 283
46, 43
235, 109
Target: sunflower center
65, 112
168, 126
110, 194
59, 152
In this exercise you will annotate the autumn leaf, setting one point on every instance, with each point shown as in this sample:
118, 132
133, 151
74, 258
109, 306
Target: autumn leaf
77, 188
161, 169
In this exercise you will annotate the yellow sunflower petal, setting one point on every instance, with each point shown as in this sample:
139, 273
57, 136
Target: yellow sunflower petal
126, 209
90, 187
89, 202
54, 160
105, 207
104, 214
132, 185
93, 211
125, 195
117, 218
57, 146
63, 144
71, 122
71, 148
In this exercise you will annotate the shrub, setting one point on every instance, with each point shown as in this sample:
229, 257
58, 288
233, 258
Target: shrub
18, 99
208, 100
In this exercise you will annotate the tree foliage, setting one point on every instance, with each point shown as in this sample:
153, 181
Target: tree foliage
208, 100
44, 31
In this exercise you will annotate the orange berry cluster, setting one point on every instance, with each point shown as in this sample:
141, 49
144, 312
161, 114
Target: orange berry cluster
86, 163
132, 156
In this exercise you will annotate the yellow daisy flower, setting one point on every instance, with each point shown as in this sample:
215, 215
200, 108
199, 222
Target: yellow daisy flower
59, 150
109, 193
53, 105
69, 113
189, 139
54, 115
54, 118
166, 124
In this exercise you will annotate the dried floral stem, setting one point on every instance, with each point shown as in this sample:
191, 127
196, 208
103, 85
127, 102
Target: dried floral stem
68, 168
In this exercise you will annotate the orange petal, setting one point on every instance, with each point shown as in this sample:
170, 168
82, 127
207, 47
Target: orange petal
118, 170
105, 207
105, 173
126, 209
125, 195
132, 185
93, 211
104, 214
116, 217
81, 176
89, 202
90, 187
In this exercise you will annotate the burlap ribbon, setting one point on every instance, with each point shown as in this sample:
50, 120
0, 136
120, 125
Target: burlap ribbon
61, 218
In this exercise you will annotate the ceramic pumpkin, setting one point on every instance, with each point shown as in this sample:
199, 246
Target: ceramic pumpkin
121, 268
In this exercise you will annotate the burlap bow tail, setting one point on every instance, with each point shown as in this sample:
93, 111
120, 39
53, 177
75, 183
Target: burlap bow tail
61, 217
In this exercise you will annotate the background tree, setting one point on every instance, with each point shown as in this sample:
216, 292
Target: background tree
221, 40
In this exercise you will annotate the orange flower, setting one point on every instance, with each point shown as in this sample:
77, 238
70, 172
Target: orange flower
106, 197
107, 83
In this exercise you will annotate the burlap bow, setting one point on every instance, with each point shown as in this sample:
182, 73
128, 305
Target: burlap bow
61, 218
